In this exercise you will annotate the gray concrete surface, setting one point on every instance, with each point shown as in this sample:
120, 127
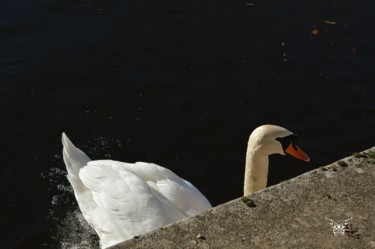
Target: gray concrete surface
291, 214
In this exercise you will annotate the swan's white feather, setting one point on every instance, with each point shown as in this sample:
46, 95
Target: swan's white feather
121, 200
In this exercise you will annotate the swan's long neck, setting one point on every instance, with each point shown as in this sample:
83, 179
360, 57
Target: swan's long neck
256, 170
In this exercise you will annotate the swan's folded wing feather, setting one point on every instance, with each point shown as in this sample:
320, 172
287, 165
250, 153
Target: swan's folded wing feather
124, 200
163, 182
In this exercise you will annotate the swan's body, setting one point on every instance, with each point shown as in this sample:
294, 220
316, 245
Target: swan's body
121, 200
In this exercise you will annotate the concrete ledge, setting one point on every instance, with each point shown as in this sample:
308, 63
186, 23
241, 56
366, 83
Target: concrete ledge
291, 214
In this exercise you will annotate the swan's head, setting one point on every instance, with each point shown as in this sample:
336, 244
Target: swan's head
273, 139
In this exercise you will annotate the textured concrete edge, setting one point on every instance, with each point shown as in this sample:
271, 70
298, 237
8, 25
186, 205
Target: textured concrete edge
337, 167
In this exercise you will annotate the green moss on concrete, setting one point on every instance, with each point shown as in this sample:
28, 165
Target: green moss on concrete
249, 202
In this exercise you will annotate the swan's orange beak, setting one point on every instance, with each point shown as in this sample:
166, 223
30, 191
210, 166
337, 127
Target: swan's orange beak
296, 152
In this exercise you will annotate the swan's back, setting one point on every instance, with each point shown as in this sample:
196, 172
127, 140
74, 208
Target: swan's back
121, 200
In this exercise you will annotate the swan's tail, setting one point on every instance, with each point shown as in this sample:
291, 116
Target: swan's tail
74, 158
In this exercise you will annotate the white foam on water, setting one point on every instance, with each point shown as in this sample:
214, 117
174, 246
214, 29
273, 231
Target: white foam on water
75, 232
71, 229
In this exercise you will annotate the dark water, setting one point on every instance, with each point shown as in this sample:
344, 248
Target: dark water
178, 83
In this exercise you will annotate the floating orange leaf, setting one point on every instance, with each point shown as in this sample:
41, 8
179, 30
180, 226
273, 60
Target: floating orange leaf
315, 31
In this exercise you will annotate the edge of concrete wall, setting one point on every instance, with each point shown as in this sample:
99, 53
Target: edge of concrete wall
292, 214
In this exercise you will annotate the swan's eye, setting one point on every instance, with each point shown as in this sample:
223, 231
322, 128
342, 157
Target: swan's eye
294, 145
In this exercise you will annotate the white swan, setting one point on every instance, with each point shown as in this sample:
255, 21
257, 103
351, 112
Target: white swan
264, 141
122, 200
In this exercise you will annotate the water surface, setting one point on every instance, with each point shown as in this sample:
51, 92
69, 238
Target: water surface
180, 84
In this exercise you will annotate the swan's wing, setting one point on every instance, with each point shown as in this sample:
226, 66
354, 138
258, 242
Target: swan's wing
126, 205
184, 195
